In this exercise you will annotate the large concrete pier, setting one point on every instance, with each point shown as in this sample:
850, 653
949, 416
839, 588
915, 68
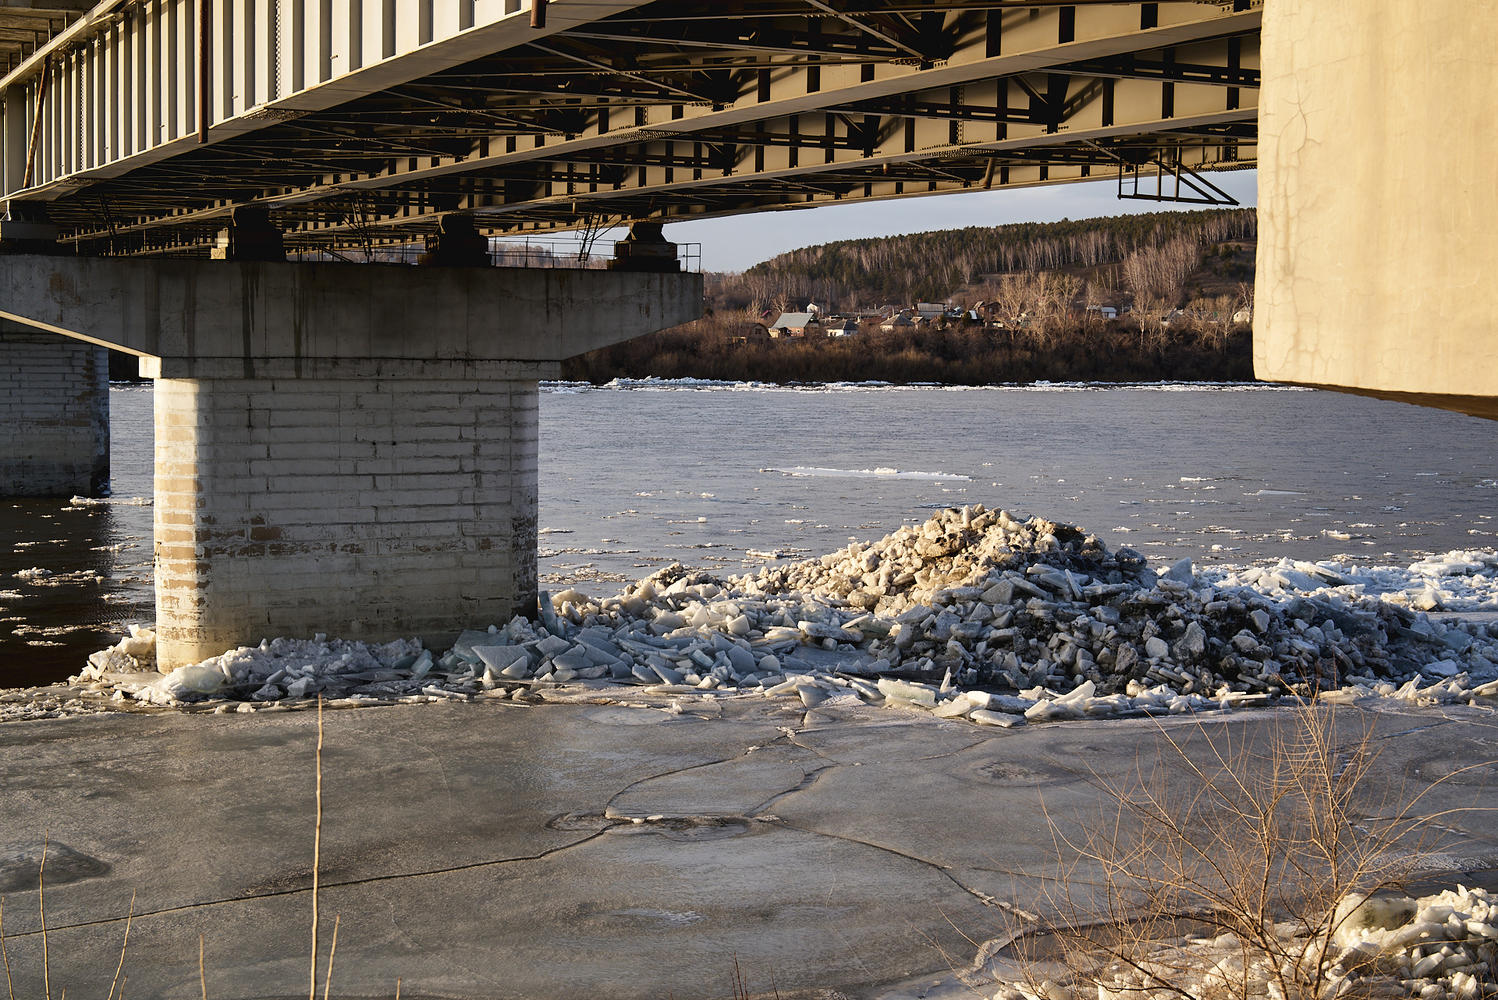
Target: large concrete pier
54, 411
1378, 217
348, 449
348, 506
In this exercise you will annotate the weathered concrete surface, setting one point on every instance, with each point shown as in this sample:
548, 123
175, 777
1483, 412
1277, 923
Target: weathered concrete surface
236, 319
1378, 224
488, 850
367, 508
54, 414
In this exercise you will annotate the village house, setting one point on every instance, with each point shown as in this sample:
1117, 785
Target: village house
901, 321
927, 313
796, 325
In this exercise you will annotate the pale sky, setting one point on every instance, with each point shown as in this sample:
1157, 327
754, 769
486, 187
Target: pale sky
738, 242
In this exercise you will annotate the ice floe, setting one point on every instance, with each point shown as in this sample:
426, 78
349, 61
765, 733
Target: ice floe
974, 615
653, 384
883, 472
111, 501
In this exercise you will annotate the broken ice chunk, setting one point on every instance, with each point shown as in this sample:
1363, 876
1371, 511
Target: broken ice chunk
499, 657
812, 695
194, 678
908, 691
956, 708
667, 675
1181, 572
572, 660
1442, 668
300, 687
1003, 719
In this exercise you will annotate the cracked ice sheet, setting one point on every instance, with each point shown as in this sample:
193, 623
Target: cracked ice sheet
463, 794
445, 787
741, 785
846, 885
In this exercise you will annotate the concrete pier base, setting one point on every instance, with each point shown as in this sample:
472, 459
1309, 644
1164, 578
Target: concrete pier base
54, 412
360, 507
348, 449
1378, 218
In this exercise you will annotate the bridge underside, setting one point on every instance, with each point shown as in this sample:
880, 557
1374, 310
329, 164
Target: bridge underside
360, 131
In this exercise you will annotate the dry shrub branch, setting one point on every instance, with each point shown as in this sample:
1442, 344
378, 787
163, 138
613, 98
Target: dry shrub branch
1233, 869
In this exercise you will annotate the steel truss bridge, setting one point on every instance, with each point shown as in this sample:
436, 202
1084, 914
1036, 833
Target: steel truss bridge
139, 126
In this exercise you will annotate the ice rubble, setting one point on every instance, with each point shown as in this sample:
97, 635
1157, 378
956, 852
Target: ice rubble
1438, 947
974, 614
1456, 581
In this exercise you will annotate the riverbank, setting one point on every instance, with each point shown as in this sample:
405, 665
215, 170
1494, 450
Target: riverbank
1105, 352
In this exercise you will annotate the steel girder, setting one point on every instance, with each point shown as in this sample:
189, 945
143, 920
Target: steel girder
670, 109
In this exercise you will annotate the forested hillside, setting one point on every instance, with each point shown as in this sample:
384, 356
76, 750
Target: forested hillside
865, 274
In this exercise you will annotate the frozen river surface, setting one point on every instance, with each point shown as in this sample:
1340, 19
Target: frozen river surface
638, 475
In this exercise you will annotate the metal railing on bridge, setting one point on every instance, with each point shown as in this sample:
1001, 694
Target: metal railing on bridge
537, 252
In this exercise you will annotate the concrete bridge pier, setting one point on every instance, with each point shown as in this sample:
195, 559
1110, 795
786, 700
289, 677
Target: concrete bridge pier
54, 411
396, 498
348, 449
1378, 215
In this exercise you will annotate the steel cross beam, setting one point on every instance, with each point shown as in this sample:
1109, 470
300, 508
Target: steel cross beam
663, 109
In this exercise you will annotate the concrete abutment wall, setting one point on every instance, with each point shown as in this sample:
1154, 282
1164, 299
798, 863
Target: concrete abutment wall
1378, 214
363, 508
54, 415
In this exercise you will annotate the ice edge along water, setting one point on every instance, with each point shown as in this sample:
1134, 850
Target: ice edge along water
973, 615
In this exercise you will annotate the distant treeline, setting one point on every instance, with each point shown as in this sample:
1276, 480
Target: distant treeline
853, 274
973, 355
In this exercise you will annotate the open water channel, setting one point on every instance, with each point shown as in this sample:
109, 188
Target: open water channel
727, 477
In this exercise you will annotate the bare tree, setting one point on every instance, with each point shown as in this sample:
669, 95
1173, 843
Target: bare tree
1160, 272
1013, 297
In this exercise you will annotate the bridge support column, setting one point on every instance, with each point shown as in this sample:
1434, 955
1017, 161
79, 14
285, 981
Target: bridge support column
341, 448
54, 411
1378, 217
401, 501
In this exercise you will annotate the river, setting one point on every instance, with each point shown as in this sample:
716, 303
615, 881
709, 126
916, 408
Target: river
725, 477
